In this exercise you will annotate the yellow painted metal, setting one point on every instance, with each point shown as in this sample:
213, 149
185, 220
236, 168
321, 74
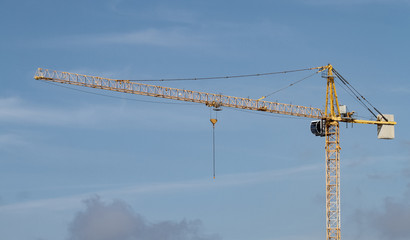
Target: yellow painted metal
210, 99
331, 116
332, 103
213, 121
364, 121
332, 180
332, 148
261, 98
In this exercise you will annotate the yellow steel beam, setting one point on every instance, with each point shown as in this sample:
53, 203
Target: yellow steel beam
370, 122
351, 120
332, 180
332, 103
331, 115
210, 99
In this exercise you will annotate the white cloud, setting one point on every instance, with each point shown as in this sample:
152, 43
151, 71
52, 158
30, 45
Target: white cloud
298, 237
171, 37
160, 11
172, 14
210, 35
403, 89
15, 110
222, 181
355, 2
8, 140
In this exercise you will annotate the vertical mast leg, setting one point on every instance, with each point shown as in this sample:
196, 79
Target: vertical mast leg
332, 180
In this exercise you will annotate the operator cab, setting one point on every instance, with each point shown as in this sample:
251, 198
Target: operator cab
318, 128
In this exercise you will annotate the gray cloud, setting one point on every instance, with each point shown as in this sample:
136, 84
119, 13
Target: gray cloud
406, 172
378, 176
391, 221
117, 221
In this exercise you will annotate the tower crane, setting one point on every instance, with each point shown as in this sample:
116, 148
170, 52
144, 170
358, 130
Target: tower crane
326, 123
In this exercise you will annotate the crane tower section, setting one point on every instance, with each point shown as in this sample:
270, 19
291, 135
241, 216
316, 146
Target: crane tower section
326, 125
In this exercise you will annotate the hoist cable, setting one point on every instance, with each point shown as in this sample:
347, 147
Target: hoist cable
348, 84
213, 150
354, 97
220, 77
290, 85
352, 92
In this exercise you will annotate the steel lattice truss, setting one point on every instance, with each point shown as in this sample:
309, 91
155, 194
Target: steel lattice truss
332, 181
210, 99
331, 116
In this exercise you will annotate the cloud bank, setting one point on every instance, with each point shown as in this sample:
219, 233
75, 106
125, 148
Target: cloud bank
391, 221
117, 221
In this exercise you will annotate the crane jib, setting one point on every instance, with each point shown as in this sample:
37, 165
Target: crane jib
327, 126
210, 99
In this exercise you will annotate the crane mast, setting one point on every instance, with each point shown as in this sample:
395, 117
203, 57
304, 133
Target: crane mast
328, 120
332, 149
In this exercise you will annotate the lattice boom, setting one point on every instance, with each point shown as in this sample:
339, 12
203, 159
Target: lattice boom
210, 99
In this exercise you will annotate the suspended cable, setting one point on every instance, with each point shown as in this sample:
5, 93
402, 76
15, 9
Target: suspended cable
364, 98
213, 150
360, 101
106, 95
290, 85
213, 121
354, 93
355, 98
354, 89
220, 77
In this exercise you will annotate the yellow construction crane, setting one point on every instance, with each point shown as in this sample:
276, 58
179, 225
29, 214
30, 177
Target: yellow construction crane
326, 125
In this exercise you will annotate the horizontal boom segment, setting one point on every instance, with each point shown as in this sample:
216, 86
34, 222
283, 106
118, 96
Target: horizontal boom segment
210, 99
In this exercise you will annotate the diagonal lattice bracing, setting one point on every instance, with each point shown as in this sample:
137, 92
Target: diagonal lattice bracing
332, 181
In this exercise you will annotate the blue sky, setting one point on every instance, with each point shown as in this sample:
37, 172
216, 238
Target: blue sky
70, 157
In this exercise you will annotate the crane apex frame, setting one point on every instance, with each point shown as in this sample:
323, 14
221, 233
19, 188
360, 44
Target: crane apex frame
326, 126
